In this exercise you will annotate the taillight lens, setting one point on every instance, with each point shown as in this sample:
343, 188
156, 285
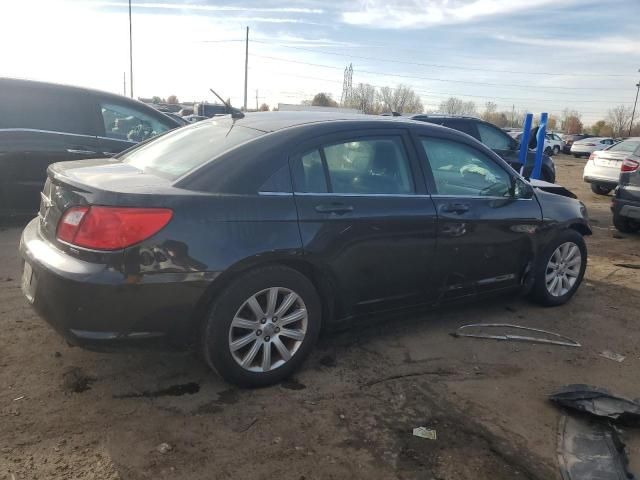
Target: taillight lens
110, 228
629, 165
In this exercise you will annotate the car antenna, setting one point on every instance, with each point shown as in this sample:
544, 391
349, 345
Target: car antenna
236, 114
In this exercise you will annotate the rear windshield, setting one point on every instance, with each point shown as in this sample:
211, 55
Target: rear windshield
181, 150
625, 146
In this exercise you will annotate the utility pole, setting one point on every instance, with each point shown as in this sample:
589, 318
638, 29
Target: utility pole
246, 68
513, 115
634, 106
124, 84
130, 54
257, 107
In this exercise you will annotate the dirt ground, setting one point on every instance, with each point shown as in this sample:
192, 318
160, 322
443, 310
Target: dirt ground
66, 413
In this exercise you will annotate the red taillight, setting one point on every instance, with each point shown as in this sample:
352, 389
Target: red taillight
629, 165
110, 228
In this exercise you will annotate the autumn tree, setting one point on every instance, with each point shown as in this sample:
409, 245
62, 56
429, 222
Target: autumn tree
601, 129
323, 99
552, 123
570, 122
172, 99
264, 107
401, 99
619, 118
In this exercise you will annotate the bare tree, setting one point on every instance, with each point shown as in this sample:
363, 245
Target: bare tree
364, 99
172, 99
264, 108
619, 118
455, 106
490, 109
401, 99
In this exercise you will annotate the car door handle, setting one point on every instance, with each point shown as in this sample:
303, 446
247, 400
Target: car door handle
458, 208
80, 151
335, 208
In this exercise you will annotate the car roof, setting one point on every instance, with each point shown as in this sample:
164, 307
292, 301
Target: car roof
274, 121
439, 116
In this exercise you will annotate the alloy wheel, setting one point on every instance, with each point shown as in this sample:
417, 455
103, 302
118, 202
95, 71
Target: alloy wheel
268, 329
563, 269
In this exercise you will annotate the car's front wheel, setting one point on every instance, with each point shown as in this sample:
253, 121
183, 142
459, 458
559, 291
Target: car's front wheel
625, 224
262, 326
560, 269
600, 189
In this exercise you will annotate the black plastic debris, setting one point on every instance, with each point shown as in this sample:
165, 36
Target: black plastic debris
599, 402
591, 450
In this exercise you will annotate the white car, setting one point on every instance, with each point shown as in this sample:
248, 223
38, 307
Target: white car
586, 146
602, 170
552, 142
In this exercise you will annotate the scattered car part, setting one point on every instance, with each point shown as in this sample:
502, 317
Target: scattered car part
616, 357
556, 340
599, 402
425, 432
590, 450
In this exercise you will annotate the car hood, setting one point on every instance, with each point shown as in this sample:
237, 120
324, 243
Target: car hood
552, 188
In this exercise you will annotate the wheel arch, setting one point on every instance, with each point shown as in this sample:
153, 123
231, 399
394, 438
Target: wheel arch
581, 228
321, 281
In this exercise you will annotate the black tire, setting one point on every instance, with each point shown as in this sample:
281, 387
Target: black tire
600, 189
548, 151
625, 224
216, 329
556, 150
577, 155
540, 293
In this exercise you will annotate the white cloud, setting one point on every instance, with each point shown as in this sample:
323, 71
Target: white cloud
611, 44
425, 13
211, 8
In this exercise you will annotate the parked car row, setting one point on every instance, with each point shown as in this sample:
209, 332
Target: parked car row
586, 146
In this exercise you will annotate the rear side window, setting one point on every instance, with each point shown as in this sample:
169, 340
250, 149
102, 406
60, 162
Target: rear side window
126, 123
625, 146
180, 151
362, 166
44, 108
494, 138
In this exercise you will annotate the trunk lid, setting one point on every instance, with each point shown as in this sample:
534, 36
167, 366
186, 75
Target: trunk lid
605, 158
96, 182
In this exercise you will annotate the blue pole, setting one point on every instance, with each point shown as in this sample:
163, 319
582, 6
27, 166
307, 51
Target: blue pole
524, 141
542, 130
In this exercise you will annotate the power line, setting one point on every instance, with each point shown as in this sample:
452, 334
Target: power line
528, 87
435, 65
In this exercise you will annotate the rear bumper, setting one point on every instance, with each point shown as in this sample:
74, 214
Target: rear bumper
601, 175
626, 208
96, 306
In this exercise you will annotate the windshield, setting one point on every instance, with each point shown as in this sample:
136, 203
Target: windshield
184, 149
625, 146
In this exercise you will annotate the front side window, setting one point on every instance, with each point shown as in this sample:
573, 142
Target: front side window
125, 123
362, 166
493, 138
461, 170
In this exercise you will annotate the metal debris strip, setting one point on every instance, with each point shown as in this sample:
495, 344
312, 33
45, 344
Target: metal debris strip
556, 339
591, 450
425, 432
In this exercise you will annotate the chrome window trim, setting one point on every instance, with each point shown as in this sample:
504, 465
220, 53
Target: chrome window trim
333, 194
84, 135
276, 194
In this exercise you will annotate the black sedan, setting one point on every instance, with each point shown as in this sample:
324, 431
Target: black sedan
246, 235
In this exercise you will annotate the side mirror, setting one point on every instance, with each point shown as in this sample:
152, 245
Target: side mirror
521, 189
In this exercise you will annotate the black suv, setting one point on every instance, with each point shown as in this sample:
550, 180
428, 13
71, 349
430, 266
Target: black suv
42, 123
494, 138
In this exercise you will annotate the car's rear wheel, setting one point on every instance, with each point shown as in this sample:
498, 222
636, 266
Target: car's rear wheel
625, 224
548, 151
600, 189
556, 150
262, 327
560, 269
577, 155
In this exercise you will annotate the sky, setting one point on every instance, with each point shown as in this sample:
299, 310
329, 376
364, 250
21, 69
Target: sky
531, 55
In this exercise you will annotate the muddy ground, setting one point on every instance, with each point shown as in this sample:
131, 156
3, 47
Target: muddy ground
73, 414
